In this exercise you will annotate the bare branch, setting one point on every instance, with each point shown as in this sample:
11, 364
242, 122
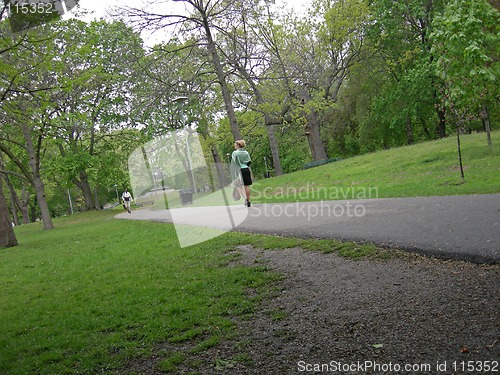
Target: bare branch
16, 160
12, 173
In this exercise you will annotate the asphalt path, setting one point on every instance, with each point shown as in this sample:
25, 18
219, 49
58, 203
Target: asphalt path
452, 227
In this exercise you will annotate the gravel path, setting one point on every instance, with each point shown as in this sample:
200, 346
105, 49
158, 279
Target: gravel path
362, 317
413, 310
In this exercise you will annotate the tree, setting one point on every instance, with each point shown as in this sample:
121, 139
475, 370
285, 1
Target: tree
180, 94
21, 55
326, 51
7, 235
199, 25
98, 72
19, 201
22, 108
253, 46
401, 31
466, 43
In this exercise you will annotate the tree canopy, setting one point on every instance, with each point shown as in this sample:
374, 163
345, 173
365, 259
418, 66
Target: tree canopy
347, 77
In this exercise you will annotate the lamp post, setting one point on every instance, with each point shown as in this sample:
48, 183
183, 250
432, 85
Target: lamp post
155, 179
70, 202
159, 174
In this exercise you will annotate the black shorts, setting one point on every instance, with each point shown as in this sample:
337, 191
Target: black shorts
246, 176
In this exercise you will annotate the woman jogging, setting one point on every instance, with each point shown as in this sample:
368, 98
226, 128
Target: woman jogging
240, 171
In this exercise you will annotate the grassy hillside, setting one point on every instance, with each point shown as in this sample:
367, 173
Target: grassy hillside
424, 169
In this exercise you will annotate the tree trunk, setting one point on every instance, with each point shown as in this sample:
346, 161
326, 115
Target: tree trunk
37, 179
409, 131
459, 149
314, 138
33, 217
97, 205
13, 199
25, 201
278, 170
441, 128
222, 80
182, 153
270, 122
84, 185
7, 235
12, 193
312, 131
485, 118
223, 181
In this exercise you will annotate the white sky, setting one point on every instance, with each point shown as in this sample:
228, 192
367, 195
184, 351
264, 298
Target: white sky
99, 8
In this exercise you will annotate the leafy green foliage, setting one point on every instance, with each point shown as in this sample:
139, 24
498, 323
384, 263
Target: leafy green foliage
76, 86
466, 43
403, 109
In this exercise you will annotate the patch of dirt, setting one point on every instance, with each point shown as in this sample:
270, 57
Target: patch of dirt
330, 311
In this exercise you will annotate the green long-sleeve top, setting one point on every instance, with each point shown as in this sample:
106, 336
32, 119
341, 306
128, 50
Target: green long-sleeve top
239, 159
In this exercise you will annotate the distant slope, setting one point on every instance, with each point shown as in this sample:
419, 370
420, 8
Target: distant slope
425, 169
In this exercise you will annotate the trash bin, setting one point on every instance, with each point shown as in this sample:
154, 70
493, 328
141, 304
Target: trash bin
186, 196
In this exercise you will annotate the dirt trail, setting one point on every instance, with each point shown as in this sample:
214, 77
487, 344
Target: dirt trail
411, 311
414, 310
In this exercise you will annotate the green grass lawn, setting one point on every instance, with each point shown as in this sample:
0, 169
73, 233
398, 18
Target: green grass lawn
424, 169
96, 293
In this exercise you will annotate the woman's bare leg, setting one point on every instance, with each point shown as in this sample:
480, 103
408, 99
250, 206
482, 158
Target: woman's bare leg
247, 193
